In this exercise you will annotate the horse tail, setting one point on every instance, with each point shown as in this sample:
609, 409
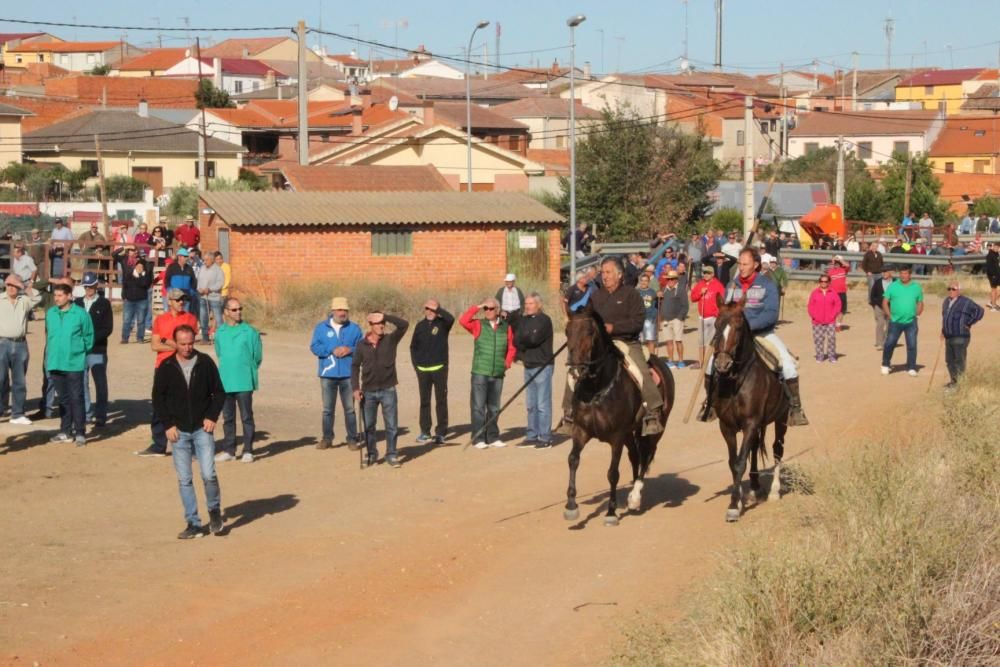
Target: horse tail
762, 444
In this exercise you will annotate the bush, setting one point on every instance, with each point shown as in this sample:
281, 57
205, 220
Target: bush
727, 219
123, 188
183, 200
894, 560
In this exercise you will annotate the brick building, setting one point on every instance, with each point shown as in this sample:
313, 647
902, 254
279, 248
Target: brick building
440, 240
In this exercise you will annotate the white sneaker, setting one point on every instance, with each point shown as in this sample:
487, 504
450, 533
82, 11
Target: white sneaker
224, 456
247, 458
498, 443
911, 373
481, 445
885, 370
21, 421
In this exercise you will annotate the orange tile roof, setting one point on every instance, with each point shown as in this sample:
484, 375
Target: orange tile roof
64, 47
941, 77
46, 112
125, 91
967, 136
953, 186
344, 178
233, 48
156, 59
832, 124
245, 117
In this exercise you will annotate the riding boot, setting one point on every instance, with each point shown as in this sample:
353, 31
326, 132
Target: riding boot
707, 412
565, 425
796, 417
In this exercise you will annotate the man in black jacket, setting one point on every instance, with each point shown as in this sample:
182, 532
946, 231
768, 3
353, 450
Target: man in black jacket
97, 359
533, 340
429, 354
187, 398
875, 295
373, 376
137, 278
993, 273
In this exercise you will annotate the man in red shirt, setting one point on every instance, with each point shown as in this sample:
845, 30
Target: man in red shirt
705, 293
187, 234
164, 345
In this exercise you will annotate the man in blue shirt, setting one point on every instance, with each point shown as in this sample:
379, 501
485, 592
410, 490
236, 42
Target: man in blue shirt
333, 343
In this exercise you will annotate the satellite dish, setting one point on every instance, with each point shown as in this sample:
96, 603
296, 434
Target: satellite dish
393, 103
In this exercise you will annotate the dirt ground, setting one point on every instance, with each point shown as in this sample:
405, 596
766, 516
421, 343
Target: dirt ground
460, 557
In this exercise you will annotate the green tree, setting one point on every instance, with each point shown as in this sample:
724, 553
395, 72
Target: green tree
39, 184
635, 178
209, 97
183, 200
100, 70
256, 183
986, 205
123, 188
924, 192
16, 173
728, 219
862, 198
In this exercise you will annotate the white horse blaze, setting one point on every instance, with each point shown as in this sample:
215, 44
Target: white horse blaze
635, 496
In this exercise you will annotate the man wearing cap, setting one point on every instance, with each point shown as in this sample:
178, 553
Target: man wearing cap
103, 322
731, 248
137, 278
672, 313
511, 298
492, 354
164, 345
15, 306
187, 234
958, 314
373, 376
240, 353
706, 293
429, 354
69, 337
334, 341
180, 276
61, 234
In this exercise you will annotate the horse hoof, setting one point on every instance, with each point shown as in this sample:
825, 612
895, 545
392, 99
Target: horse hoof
571, 515
732, 516
611, 520
634, 503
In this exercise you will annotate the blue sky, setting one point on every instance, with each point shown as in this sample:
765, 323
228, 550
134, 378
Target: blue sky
637, 36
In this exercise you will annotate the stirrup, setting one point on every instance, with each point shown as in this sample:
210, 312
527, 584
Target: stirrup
796, 417
651, 425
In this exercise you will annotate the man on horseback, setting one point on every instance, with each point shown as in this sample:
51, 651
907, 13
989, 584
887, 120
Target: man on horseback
623, 312
761, 313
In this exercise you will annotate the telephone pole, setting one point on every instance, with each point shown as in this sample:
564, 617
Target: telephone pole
300, 32
748, 175
854, 81
839, 196
718, 36
202, 139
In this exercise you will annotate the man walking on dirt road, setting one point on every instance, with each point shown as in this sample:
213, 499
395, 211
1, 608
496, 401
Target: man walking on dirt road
902, 303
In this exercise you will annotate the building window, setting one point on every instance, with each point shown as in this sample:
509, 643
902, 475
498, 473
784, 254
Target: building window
387, 244
238, 87
810, 147
91, 58
89, 167
864, 150
41, 57
18, 59
979, 133
64, 58
740, 139
949, 167
901, 147
764, 127
980, 166
560, 141
209, 167
867, 106
928, 90
255, 85
514, 142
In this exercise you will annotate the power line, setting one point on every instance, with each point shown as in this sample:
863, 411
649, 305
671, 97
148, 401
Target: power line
54, 24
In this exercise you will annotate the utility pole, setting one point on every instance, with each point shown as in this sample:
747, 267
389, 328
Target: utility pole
839, 196
748, 175
909, 184
100, 181
603, 71
300, 32
784, 111
718, 36
854, 81
202, 139
890, 28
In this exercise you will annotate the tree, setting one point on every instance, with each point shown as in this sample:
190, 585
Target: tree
635, 178
123, 188
207, 96
986, 205
100, 70
862, 198
924, 191
183, 200
727, 219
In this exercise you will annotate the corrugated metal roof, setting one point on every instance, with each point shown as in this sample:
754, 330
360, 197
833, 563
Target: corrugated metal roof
788, 199
285, 209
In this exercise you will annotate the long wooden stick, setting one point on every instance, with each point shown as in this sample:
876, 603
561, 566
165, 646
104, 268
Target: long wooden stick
697, 384
937, 358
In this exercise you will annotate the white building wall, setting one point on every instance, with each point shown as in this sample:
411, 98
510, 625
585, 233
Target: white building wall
881, 145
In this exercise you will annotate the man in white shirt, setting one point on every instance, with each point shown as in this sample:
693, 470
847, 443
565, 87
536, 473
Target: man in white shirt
60, 243
732, 246
511, 298
14, 310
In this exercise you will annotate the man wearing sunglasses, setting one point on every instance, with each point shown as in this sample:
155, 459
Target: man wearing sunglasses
373, 376
492, 354
240, 352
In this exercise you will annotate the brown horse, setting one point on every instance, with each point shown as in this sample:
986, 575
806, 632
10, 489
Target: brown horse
747, 396
607, 405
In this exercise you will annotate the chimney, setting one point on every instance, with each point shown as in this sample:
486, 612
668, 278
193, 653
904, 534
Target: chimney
356, 128
429, 119
269, 79
217, 68
246, 52
586, 70
366, 98
143, 109
555, 66
187, 53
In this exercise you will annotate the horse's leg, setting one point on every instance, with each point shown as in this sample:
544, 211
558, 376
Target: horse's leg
611, 519
571, 513
780, 427
754, 475
736, 500
636, 454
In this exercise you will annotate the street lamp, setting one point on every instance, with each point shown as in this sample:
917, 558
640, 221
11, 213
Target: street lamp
468, 104
572, 22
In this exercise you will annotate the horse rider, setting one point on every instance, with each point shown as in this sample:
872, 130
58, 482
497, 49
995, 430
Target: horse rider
623, 312
761, 313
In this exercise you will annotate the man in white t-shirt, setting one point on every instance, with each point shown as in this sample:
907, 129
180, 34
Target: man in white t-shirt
510, 297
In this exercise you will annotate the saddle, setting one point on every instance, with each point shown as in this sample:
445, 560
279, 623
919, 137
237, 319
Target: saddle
769, 354
634, 371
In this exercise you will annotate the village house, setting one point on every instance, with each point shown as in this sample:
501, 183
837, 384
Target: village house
422, 241
154, 62
547, 119
967, 145
874, 136
258, 48
418, 63
937, 90
116, 91
11, 145
233, 75
72, 56
13, 39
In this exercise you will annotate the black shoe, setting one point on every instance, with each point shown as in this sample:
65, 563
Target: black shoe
438, 440
215, 521
526, 444
543, 444
353, 445
369, 461
192, 531
151, 451
393, 462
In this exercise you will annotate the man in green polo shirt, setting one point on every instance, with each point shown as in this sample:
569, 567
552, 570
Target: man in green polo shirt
902, 303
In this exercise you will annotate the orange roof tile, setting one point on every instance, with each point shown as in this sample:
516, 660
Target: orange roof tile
65, 47
156, 59
233, 48
941, 77
967, 136
46, 112
953, 186
245, 117
344, 178
125, 91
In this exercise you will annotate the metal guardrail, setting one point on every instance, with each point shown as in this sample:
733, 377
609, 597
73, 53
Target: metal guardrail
826, 256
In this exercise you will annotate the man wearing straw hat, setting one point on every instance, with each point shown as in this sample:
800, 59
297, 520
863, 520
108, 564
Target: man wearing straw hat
333, 342
14, 310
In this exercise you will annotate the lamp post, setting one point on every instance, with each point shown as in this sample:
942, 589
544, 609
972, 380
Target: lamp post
468, 104
572, 22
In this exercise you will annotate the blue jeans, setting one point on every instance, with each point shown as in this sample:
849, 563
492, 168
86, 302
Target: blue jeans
69, 387
892, 337
149, 311
387, 399
199, 444
485, 400
97, 368
245, 401
134, 315
206, 307
331, 387
47, 403
538, 399
13, 360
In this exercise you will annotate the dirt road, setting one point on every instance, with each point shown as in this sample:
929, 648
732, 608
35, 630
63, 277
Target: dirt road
460, 557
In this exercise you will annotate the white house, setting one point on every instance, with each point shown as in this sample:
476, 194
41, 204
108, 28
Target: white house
414, 67
873, 136
233, 75
619, 90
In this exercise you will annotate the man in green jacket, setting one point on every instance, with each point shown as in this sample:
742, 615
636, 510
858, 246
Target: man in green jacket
240, 352
69, 336
492, 354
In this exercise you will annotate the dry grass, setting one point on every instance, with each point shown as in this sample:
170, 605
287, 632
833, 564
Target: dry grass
894, 560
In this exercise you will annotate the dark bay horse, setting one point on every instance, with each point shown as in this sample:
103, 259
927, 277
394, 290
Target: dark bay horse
747, 396
607, 405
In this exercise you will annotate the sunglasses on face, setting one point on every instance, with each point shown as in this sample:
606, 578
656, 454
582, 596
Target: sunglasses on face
952, 289
234, 310
489, 308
